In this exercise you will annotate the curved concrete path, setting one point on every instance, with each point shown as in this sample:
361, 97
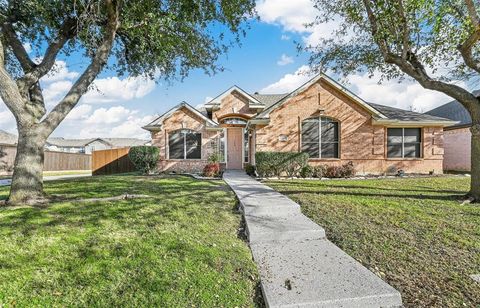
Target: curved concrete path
298, 266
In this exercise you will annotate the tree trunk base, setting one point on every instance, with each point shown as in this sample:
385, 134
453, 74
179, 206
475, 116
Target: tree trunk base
36, 201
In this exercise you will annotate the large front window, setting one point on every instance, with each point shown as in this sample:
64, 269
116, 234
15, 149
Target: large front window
320, 138
404, 142
185, 144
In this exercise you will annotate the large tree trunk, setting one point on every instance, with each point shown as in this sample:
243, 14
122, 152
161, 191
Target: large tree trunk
475, 160
27, 181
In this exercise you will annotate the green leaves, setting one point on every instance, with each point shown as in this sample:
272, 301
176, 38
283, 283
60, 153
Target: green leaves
156, 38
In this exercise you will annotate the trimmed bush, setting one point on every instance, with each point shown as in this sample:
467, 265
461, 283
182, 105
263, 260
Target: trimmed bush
144, 158
211, 170
344, 171
306, 172
249, 169
280, 163
214, 158
320, 171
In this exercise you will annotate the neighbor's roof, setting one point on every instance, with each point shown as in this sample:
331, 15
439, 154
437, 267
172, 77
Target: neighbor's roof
454, 111
125, 142
62, 142
7, 138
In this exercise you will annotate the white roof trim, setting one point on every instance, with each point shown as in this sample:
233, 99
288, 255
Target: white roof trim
157, 123
399, 123
361, 102
217, 100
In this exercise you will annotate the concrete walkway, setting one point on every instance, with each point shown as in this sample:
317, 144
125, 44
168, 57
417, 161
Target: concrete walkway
298, 266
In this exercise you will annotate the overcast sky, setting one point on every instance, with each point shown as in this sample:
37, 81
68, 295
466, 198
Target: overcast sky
267, 61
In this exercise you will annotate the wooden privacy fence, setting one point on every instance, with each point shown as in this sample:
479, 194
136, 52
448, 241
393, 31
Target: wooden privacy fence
54, 161
111, 161
61, 161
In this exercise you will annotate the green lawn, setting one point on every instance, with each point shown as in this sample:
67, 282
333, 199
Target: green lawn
414, 233
177, 249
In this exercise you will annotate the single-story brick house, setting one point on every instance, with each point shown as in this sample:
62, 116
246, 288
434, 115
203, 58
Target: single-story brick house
321, 118
457, 138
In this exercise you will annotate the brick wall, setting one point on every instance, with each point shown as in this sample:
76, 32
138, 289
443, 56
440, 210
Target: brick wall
360, 141
457, 149
183, 119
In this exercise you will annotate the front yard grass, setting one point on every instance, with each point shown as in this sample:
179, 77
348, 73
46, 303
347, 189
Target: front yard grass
177, 249
414, 233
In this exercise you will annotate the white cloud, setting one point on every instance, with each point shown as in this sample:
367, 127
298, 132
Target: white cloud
108, 116
289, 82
28, 47
285, 60
114, 89
79, 113
285, 37
407, 94
293, 16
59, 72
53, 92
7, 121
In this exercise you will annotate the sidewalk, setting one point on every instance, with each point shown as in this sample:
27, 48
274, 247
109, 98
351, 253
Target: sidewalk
298, 266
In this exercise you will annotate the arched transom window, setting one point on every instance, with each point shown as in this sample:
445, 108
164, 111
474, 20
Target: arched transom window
184, 144
320, 137
233, 121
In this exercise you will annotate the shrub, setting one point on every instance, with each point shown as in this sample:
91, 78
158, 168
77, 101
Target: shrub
250, 169
278, 163
348, 170
211, 170
214, 158
320, 171
344, 171
144, 158
306, 172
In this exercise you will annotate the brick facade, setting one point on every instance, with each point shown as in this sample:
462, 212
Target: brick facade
361, 141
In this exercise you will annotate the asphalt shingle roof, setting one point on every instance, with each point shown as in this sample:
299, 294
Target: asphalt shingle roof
405, 115
268, 99
454, 111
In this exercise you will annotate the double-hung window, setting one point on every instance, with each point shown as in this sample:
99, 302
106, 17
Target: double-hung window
404, 142
185, 144
320, 137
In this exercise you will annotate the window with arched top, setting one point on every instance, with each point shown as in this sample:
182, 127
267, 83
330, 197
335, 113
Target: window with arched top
320, 137
233, 121
184, 144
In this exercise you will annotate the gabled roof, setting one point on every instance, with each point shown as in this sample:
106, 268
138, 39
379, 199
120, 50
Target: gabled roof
62, 142
381, 114
157, 123
7, 138
269, 99
265, 113
454, 111
253, 102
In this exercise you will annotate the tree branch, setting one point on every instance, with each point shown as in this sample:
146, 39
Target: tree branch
66, 32
10, 94
17, 47
70, 100
466, 47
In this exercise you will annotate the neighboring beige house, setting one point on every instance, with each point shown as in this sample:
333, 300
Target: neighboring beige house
87, 146
321, 118
457, 138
